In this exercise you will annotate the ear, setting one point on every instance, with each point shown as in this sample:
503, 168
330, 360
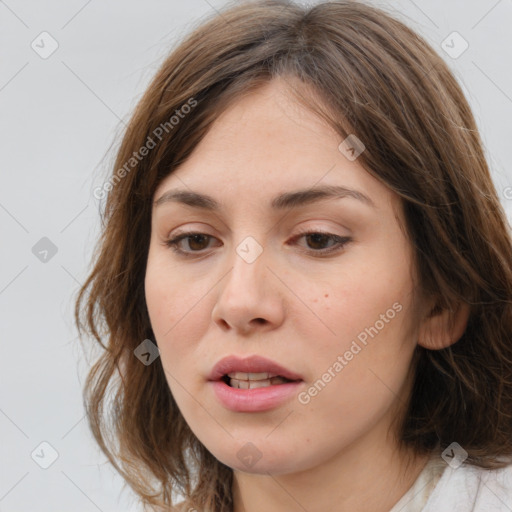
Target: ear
443, 327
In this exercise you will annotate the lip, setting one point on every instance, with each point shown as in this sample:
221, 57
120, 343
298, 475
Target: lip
254, 400
251, 364
258, 399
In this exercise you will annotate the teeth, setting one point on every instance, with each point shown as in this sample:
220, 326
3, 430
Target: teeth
251, 376
252, 384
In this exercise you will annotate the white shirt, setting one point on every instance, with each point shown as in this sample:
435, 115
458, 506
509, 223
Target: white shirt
441, 488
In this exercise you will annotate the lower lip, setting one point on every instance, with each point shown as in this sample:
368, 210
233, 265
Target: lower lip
254, 400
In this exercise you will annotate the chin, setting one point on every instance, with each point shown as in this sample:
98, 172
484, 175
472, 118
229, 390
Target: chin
247, 458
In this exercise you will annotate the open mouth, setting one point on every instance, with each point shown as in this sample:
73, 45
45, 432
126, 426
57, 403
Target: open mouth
243, 380
261, 386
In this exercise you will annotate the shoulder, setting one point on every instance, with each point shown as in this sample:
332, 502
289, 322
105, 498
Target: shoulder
472, 489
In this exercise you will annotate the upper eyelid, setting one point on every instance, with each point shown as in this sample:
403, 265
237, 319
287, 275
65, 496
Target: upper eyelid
204, 230
301, 232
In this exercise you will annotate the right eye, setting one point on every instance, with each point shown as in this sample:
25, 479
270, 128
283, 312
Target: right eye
196, 242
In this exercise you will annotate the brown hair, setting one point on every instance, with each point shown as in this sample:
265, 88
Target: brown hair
383, 83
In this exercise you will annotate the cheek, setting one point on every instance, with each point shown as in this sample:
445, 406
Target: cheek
367, 360
173, 307
160, 298
369, 299
371, 302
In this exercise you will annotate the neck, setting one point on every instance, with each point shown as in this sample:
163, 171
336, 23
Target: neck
355, 480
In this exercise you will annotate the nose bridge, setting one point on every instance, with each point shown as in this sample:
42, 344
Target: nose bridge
246, 297
248, 267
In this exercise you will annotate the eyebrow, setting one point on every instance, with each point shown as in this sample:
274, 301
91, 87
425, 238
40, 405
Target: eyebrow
283, 201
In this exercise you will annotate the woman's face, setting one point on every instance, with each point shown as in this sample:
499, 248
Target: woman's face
336, 310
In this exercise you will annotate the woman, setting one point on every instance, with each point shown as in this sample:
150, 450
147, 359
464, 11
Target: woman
302, 220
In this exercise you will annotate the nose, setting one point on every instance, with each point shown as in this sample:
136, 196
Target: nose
250, 296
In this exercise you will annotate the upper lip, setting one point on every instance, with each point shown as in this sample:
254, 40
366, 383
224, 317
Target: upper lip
252, 364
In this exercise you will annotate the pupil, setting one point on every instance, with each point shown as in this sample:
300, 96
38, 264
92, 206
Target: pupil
193, 239
318, 237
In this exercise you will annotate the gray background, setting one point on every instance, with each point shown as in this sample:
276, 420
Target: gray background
59, 117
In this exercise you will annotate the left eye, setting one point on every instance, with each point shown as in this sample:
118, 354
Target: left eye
316, 240
192, 238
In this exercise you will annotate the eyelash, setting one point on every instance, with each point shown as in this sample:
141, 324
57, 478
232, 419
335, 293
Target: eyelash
341, 242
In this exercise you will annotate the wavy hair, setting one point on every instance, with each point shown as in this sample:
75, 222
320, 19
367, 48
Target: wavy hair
381, 81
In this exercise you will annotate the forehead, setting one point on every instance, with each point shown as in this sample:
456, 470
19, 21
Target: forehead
266, 143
